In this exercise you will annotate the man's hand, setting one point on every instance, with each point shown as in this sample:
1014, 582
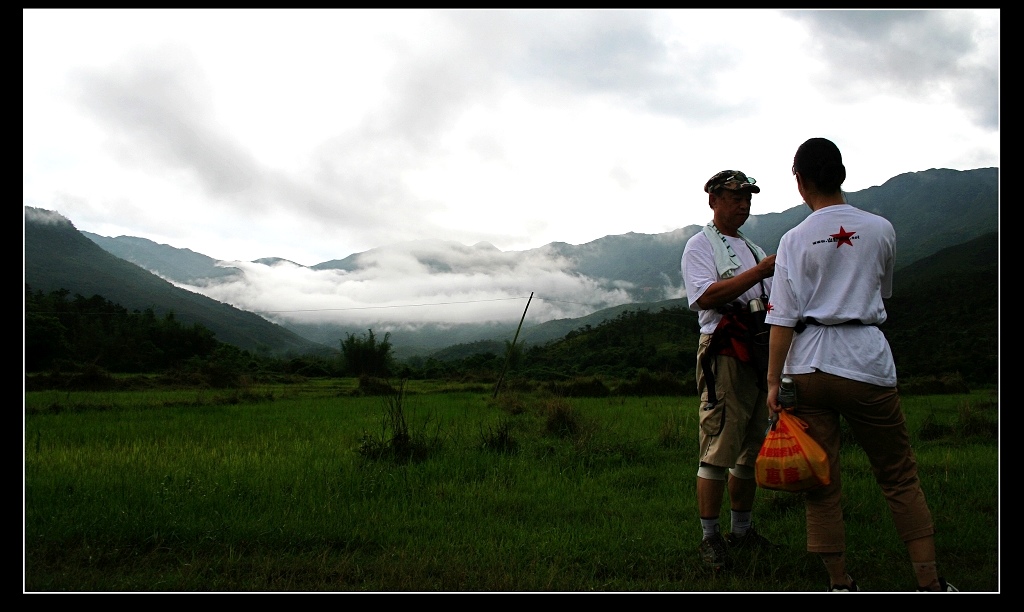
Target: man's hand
766, 267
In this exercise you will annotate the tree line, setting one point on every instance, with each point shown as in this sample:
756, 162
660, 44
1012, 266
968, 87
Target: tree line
69, 334
63, 331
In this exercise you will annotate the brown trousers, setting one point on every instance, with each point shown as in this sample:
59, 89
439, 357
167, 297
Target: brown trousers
875, 418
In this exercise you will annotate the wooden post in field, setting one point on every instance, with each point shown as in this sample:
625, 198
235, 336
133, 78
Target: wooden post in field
508, 354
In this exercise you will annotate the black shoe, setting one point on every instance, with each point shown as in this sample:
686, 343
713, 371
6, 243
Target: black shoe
714, 552
843, 588
944, 587
751, 539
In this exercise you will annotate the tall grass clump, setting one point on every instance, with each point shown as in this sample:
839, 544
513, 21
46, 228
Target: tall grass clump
671, 431
973, 420
397, 440
500, 438
560, 418
511, 401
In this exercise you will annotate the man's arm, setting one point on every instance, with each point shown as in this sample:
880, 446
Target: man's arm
779, 340
723, 291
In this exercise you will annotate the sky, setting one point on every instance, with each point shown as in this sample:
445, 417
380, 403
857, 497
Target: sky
311, 135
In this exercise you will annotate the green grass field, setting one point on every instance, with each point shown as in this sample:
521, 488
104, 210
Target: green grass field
442, 488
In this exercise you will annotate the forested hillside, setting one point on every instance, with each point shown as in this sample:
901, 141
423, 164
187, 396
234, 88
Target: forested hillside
64, 330
59, 258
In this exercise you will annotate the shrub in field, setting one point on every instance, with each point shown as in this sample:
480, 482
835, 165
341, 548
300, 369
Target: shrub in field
977, 420
951, 384
587, 386
370, 385
973, 420
397, 441
88, 377
246, 392
510, 401
92, 378
499, 438
560, 418
648, 384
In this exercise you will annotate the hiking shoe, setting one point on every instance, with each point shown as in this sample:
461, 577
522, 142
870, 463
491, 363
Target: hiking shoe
751, 539
842, 588
714, 552
944, 587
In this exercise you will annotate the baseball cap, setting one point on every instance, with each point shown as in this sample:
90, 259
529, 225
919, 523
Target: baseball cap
731, 179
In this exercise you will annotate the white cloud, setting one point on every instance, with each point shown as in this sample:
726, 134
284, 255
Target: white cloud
426, 282
314, 134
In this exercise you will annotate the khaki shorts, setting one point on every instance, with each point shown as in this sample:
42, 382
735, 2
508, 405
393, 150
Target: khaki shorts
733, 428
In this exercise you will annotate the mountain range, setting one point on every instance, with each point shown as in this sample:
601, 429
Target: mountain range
930, 210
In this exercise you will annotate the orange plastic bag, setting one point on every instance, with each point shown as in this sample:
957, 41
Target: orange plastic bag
790, 460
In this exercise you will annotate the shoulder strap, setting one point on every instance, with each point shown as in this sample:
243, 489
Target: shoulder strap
764, 294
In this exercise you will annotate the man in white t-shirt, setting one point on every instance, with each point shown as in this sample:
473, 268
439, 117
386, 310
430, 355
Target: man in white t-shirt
724, 274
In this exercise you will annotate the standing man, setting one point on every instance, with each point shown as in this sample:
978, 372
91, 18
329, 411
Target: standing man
836, 270
725, 274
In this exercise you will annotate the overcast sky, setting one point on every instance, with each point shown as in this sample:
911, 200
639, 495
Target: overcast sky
314, 134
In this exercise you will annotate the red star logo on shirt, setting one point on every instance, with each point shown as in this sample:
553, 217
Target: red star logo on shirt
843, 237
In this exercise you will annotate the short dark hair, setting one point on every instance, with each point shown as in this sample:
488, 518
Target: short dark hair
819, 161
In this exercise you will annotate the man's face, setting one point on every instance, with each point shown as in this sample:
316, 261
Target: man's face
732, 208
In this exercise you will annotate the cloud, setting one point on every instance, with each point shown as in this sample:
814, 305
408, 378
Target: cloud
38, 215
157, 112
423, 282
440, 284
157, 108
313, 134
627, 55
932, 54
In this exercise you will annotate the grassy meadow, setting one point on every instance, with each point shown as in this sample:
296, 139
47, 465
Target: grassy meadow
314, 487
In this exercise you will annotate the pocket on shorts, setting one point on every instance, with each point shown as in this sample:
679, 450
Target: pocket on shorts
712, 420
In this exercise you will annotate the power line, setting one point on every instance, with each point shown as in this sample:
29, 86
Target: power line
399, 305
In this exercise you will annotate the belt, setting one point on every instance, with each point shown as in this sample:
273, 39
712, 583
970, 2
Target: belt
803, 323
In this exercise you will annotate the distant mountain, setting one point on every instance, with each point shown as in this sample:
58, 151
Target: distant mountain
179, 265
58, 256
647, 262
944, 313
930, 210
934, 210
558, 328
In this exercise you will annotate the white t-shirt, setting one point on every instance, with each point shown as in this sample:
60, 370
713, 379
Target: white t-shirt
835, 266
699, 272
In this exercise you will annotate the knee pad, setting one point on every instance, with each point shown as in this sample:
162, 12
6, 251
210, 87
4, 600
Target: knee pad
711, 472
743, 472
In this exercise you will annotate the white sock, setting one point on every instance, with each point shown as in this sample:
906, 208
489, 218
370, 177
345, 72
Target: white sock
710, 527
740, 522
